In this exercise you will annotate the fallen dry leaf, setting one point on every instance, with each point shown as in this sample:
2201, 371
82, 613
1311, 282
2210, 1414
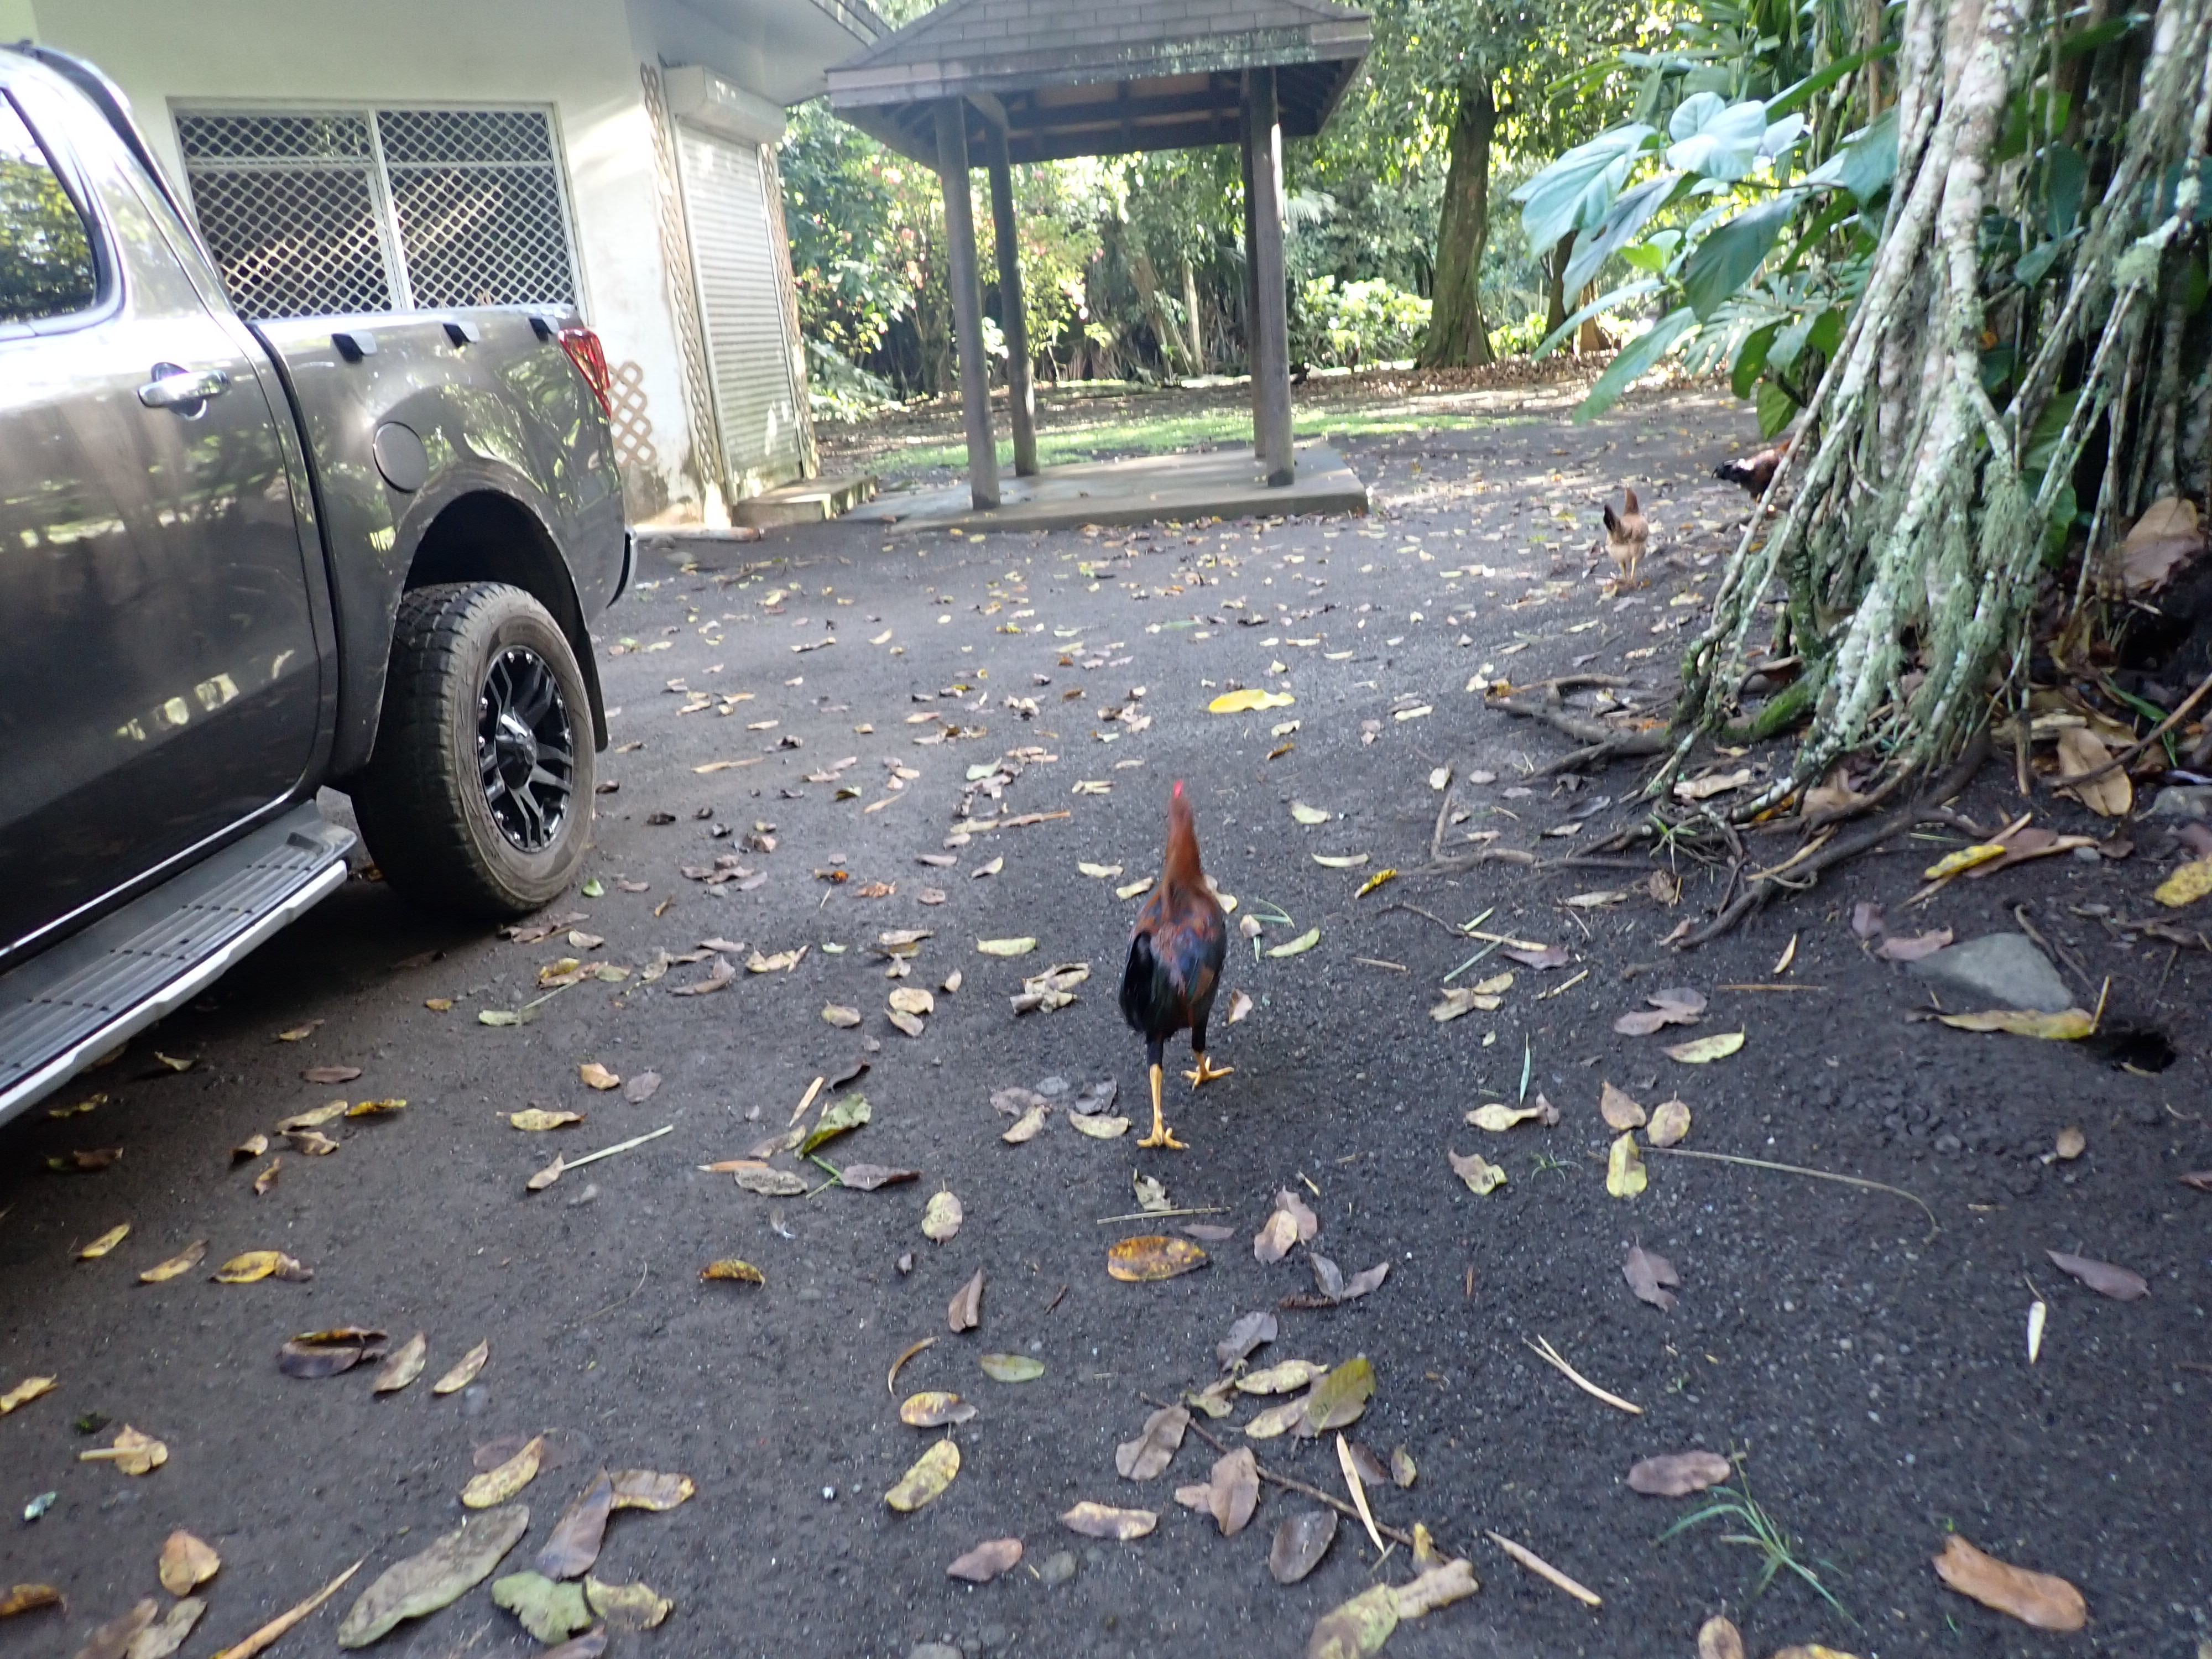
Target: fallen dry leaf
186, 1563
1229, 1494
1104, 1520
2101, 1277
267, 1635
1676, 1006
934, 1408
651, 1490
2067, 1026
1497, 1118
330, 1074
132, 1453
1248, 701
732, 1271
1625, 1176
2186, 885
1250, 1331
966, 1312
1281, 1378
537, 1119
839, 1016
1275, 1240
1340, 1398
574, 1544
1005, 947
548, 1609
941, 1220
1894, 949
627, 1607
1240, 1007
1439, 1586
870, 1178
1648, 1275
2036, 1599
1357, 1629
927, 1480
1012, 1367
1705, 1050
462, 1375
1670, 1123
1677, 1475
177, 1266
1619, 1110
1299, 1544
987, 1560
1718, 1638
1140, 1261
27, 1598
436, 1577
107, 1241
1028, 1126
257, 1265
1481, 1176
2165, 537
1149, 1454
495, 1486
2081, 751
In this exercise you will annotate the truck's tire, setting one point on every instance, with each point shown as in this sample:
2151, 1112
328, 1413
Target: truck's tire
478, 796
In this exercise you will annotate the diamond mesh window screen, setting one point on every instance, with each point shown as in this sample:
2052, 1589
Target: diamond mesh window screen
372, 210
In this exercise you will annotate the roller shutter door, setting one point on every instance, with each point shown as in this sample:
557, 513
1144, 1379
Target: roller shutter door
741, 305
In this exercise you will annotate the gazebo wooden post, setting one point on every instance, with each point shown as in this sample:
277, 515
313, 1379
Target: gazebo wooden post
1251, 289
1263, 147
1021, 396
968, 302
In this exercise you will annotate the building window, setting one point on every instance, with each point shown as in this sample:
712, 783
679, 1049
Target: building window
335, 210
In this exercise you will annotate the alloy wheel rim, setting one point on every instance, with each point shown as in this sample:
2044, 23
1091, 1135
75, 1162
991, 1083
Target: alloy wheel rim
525, 748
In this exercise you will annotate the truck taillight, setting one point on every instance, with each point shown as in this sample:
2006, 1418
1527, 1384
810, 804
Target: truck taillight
590, 358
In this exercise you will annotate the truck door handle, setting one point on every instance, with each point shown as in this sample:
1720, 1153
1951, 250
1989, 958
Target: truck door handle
183, 390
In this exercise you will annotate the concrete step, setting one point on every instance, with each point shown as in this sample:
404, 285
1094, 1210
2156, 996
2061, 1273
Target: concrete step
808, 502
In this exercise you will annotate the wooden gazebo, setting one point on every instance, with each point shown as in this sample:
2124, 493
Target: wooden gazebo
1035, 80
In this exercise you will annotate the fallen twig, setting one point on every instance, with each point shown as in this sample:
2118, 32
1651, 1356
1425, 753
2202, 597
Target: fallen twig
1601, 742
1934, 1226
1543, 1350
1544, 1570
285, 1621
1154, 1215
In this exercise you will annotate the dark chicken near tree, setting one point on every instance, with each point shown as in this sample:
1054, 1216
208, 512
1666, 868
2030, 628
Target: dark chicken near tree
1176, 953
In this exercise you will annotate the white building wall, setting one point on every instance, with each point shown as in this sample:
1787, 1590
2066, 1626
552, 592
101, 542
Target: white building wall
583, 58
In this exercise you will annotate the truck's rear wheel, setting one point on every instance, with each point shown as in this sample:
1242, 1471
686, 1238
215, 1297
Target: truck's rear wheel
478, 798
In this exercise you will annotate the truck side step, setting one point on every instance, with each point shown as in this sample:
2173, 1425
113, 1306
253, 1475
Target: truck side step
68, 1006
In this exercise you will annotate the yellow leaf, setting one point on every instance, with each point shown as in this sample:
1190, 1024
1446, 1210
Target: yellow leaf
176, 1265
535, 1118
627, 1607
313, 1120
1670, 1123
1624, 1169
252, 1266
465, 1373
1305, 814
934, 1408
1965, 859
597, 1076
1499, 1118
25, 1391
838, 1015
1340, 861
1005, 947
1298, 947
1374, 882
1481, 1176
1099, 872
1620, 1109
1134, 888
1246, 701
404, 1365
942, 1217
2185, 885
375, 1108
496, 1486
1099, 1127
133, 1453
734, 1271
1141, 1261
186, 1563
909, 999
927, 1480
107, 1241
2068, 1026
1705, 1050
2079, 751
439, 1005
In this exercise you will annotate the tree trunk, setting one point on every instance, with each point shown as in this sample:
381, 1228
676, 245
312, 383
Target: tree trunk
1458, 338
1555, 283
1190, 318
1911, 556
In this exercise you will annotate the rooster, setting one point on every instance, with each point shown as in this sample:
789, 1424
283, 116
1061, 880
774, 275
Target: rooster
1627, 533
1754, 472
1176, 953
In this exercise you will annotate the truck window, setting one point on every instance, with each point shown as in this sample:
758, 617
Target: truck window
47, 266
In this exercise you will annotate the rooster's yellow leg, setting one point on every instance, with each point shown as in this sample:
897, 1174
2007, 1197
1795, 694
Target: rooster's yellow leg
1159, 1136
1206, 1071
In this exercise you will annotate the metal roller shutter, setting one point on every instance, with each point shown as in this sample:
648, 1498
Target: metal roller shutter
741, 304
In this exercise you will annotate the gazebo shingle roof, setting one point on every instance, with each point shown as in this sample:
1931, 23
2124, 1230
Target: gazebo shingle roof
1104, 78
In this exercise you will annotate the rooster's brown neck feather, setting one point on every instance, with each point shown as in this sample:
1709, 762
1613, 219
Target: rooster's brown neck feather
1181, 867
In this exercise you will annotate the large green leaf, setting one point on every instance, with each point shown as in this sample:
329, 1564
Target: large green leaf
1732, 255
1751, 358
1576, 190
1626, 217
1804, 91
1636, 357
2066, 179
1717, 139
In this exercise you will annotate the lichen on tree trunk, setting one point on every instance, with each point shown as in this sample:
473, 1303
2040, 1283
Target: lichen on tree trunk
1458, 337
1910, 558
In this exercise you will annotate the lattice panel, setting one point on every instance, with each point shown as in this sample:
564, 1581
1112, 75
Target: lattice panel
482, 236
418, 136
334, 136
293, 242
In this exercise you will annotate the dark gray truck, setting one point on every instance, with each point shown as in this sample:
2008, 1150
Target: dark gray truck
242, 560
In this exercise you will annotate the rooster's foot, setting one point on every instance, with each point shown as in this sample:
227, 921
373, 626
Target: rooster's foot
1206, 1071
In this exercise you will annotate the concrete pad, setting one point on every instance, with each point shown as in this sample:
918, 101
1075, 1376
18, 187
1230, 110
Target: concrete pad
808, 502
1226, 484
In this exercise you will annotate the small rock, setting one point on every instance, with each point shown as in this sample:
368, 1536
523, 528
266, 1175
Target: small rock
1051, 1087
2087, 855
476, 1398
1946, 1144
1998, 970
1059, 1567
2183, 801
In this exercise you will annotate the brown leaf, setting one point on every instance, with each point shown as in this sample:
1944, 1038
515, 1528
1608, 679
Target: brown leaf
404, 1365
574, 1545
651, 1490
2165, 537
987, 1560
29, 1598
2082, 751
2101, 1277
1233, 1490
112, 1640
267, 1179
1248, 1333
1541, 955
1619, 1109
1867, 919
1299, 1544
1894, 949
1275, 1239
1141, 1261
2037, 1599
1670, 1123
1718, 1638
1104, 1520
1647, 1274
966, 1312
1677, 1475
1154, 1449
252, 1147
2201, 1180
436, 1577
307, 1357
1309, 1223
330, 1074
186, 1563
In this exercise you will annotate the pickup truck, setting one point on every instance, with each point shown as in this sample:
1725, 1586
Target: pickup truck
242, 561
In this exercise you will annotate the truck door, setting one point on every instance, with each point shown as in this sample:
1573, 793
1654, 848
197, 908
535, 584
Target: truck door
159, 679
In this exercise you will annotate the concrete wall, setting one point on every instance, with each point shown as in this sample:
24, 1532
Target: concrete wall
581, 57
